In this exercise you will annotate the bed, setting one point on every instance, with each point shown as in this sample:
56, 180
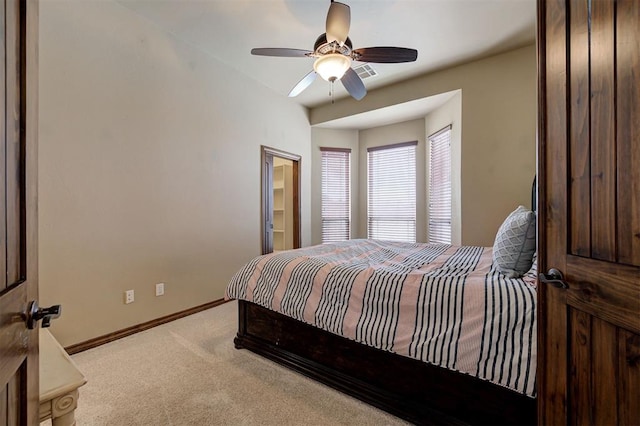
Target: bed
432, 333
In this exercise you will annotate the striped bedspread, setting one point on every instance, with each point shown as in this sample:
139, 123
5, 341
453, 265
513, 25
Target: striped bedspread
437, 303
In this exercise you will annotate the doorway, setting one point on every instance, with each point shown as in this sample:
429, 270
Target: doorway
280, 200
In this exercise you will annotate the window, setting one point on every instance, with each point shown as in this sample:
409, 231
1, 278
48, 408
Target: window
440, 186
336, 194
392, 192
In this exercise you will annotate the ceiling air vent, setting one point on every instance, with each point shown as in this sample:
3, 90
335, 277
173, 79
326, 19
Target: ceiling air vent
365, 71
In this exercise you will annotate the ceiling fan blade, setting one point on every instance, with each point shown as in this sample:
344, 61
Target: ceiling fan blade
303, 84
282, 52
338, 22
385, 55
353, 83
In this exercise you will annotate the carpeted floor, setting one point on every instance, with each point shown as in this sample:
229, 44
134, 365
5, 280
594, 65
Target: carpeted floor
187, 372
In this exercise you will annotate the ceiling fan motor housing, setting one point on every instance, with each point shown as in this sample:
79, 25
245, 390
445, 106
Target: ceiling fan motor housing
322, 47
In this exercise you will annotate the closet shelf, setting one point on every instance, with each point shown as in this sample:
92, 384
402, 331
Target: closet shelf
282, 207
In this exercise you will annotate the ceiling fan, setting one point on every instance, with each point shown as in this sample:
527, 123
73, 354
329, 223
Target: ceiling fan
334, 53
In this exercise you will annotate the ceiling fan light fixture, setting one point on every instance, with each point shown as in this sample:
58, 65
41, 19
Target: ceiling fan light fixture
332, 66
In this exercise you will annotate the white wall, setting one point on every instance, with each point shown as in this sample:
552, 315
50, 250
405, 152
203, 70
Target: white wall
149, 168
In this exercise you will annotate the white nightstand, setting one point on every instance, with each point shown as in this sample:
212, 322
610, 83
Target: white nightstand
59, 382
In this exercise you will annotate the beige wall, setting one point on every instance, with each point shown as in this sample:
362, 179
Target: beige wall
149, 168
498, 103
499, 113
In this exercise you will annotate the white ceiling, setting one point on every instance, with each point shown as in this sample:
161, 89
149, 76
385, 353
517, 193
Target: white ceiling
445, 33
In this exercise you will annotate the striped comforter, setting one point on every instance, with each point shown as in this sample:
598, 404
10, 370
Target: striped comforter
437, 303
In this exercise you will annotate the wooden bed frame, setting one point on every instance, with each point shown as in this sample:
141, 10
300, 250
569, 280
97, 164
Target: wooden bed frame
416, 391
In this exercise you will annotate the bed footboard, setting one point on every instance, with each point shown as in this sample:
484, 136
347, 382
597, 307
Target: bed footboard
416, 391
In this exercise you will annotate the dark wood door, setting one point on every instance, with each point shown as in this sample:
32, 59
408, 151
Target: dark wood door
18, 215
589, 212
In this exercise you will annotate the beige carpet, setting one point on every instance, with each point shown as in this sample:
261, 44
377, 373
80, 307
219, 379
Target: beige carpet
187, 372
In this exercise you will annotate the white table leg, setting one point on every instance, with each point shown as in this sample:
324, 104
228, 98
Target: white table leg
63, 409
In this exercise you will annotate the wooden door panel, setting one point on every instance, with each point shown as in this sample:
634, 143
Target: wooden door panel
18, 215
604, 371
14, 146
9, 397
589, 219
595, 162
629, 377
602, 110
597, 375
3, 171
580, 375
552, 217
591, 290
628, 129
604, 107
13, 337
579, 122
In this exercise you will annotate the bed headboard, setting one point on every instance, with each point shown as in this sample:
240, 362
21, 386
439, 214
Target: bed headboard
534, 195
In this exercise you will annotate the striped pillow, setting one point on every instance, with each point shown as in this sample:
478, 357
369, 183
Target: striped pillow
515, 243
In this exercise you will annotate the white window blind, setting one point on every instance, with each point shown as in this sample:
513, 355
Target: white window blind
440, 186
336, 194
392, 192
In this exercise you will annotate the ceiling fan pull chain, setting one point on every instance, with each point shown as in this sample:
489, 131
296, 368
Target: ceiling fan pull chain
331, 92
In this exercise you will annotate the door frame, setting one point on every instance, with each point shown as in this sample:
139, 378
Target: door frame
266, 201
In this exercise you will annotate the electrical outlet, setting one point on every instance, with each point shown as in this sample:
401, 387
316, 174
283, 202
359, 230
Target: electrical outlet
160, 289
128, 296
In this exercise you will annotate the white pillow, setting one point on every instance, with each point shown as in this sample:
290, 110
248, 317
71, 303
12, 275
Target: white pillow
515, 243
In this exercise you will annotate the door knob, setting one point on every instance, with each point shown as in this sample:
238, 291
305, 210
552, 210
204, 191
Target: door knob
553, 277
35, 314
